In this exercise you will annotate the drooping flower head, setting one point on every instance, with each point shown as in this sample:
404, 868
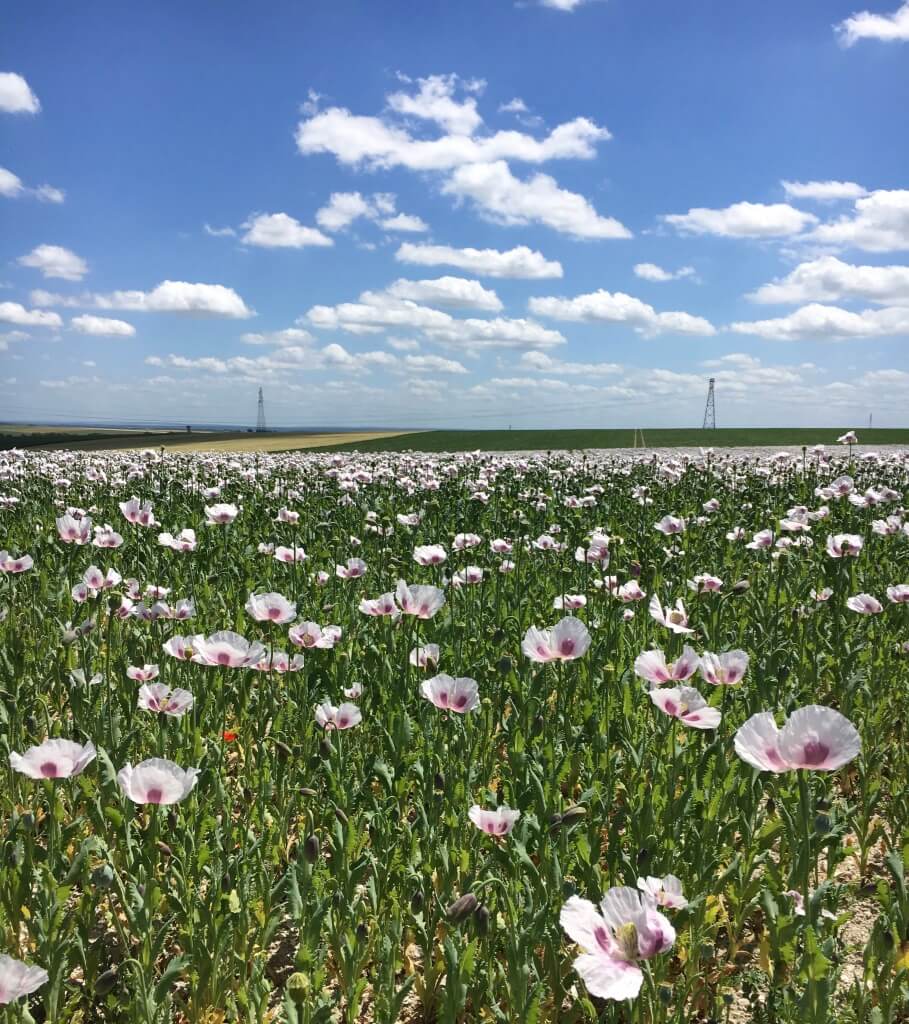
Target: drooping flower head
53, 759
814, 737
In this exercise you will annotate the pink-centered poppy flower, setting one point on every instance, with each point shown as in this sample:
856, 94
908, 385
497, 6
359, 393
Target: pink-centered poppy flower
814, 737
227, 650
285, 515
353, 570
270, 608
184, 541
670, 525
627, 928
139, 513
142, 673
567, 640
74, 531
53, 759
724, 669
384, 605
666, 891
419, 599
704, 583
450, 694
652, 666
106, 537
842, 545
597, 551
675, 618
290, 555
409, 518
218, 515
464, 541
630, 591
423, 657
429, 554
468, 576
898, 593
160, 699
18, 979
822, 595
15, 565
569, 602
688, 706
280, 662
864, 604
494, 823
354, 691
96, 580
312, 635
500, 546
346, 716
157, 781
761, 540
848, 438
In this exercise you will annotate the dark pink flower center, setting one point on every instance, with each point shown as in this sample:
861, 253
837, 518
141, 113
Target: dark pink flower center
815, 752
49, 770
154, 796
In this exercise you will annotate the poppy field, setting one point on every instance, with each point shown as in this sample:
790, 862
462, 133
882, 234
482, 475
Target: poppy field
378, 737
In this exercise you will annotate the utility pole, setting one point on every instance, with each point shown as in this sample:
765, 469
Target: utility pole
710, 408
260, 418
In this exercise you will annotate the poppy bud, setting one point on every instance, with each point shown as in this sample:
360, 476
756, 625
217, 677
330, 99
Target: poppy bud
741, 587
311, 848
438, 780
482, 916
538, 723
362, 932
574, 814
70, 636
103, 877
462, 907
823, 805
341, 816
325, 748
504, 666
416, 902
283, 750
555, 819
298, 986
306, 791
771, 806
164, 848
821, 824
666, 995
106, 982
634, 570
643, 856
499, 636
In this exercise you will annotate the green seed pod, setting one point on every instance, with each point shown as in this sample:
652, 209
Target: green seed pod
298, 987
462, 907
106, 982
311, 848
822, 824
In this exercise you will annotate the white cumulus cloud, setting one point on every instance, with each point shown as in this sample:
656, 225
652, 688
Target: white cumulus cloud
281, 231
888, 28
16, 313
454, 292
55, 261
167, 297
653, 272
824, 191
102, 326
618, 308
743, 220
407, 222
828, 279
879, 223
519, 262
818, 322
16, 96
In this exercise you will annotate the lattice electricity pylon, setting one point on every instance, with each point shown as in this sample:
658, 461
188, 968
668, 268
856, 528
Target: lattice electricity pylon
710, 408
260, 418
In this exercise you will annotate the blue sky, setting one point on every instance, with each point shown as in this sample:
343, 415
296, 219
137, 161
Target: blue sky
549, 213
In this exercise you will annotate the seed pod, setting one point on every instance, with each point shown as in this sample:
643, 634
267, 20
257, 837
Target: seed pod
574, 814
31, 723
666, 995
771, 806
538, 724
482, 918
103, 877
298, 986
311, 848
106, 982
462, 907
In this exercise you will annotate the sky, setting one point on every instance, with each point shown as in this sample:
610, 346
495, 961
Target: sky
546, 213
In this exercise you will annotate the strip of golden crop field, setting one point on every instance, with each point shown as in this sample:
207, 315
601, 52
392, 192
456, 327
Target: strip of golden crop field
280, 442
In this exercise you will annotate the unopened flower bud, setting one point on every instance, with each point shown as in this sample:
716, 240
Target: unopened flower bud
298, 987
106, 982
462, 907
311, 848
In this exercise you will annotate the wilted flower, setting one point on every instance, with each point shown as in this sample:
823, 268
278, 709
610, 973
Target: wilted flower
628, 928
18, 979
344, 717
687, 705
157, 781
451, 694
567, 640
495, 823
53, 759
813, 737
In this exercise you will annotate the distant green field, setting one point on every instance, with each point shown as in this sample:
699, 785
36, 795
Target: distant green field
550, 440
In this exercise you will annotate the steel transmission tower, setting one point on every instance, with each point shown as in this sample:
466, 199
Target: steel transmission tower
710, 408
260, 418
